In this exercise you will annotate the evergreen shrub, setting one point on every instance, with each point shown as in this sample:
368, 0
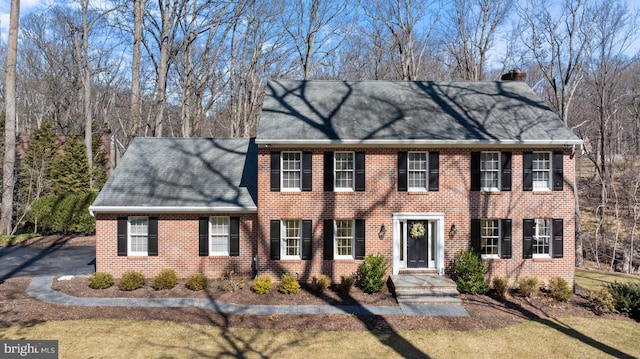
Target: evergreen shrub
131, 280
289, 284
100, 280
262, 285
469, 273
197, 282
166, 279
373, 273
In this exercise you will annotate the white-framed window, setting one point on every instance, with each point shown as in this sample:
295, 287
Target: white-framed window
219, 236
343, 238
138, 236
541, 245
291, 171
490, 238
417, 175
490, 171
541, 162
344, 171
291, 239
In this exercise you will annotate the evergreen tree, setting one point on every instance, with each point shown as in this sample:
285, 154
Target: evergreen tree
100, 165
70, 170
36, 162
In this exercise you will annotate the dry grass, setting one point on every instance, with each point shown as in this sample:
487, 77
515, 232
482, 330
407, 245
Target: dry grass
595, 280
574, 337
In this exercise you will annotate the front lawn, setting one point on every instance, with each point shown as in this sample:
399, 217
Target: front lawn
594, 280
547, 338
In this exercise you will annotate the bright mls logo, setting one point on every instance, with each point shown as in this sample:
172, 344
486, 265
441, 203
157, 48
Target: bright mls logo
41, 349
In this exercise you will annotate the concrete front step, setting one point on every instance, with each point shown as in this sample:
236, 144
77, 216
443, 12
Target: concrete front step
425, 289
429, 300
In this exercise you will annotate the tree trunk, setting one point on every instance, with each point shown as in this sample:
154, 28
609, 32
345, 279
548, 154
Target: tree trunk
135, 116
8, 179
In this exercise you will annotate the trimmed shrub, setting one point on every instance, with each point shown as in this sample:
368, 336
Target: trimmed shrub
289, 284
166, 279
319, 283
231, 281
346, 283
559, 289
197, 282
64, 213
100, 280
262, 285
627, 296
602, 302
373, 273
500, 287
131, 280
528, 286
469, 273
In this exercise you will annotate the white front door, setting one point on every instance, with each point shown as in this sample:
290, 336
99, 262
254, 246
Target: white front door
418, 241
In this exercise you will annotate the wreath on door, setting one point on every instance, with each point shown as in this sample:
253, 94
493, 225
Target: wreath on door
417, 230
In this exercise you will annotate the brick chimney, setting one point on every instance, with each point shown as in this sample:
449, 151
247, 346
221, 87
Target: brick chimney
514, 75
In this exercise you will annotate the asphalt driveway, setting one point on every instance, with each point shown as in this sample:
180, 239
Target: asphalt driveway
20, 261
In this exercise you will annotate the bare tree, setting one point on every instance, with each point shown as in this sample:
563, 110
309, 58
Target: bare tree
135, 115
8, 178
401, 19
316, 29
469, 36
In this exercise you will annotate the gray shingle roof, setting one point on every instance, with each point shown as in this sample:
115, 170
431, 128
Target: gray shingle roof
384, 112
183, 174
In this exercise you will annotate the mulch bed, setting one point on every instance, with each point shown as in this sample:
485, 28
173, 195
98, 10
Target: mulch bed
17, 308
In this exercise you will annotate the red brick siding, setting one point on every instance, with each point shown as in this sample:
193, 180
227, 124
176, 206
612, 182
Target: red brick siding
381, 199
177, 247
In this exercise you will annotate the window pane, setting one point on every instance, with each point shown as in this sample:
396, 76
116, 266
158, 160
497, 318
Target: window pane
417, 173
219, 234
489, 169
344, 237
292, 238
344, 169
542, 236
490, 237
139, 243
291, 169
541, 170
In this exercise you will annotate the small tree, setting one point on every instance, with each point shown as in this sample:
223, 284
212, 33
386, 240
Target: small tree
373, 273
469, 273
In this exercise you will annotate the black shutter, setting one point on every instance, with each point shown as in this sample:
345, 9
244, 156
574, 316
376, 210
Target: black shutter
152, 244
327, 239
307, 176
475, 171
234, 236
360, 171
359, 247
328, 171
275, 171
275, 239
527, 171
558, 234
505, 243
306, 240
122, 236
527, 238
203, 236
402, 171
505, 182
475, 235
558, 177
434, 171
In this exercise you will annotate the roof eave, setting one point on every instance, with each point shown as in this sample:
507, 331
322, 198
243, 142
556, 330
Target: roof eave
169, 209
419, 143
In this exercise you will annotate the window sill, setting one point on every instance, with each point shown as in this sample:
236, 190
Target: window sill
137, 256
491, 193
542, 259
415, 191
542, 192
290, 192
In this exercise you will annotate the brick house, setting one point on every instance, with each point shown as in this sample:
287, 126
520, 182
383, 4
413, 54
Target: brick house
415, 171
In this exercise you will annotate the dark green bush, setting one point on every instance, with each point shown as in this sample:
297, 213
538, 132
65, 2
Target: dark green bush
131, 280
64, 213
373, 273
100, 280
627, 296
528, 285
262, 285
197, 282
319, 283
500, 287
166, 279
289, 284
231, 281
346, 283
602, 302
559, 289
469, 273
